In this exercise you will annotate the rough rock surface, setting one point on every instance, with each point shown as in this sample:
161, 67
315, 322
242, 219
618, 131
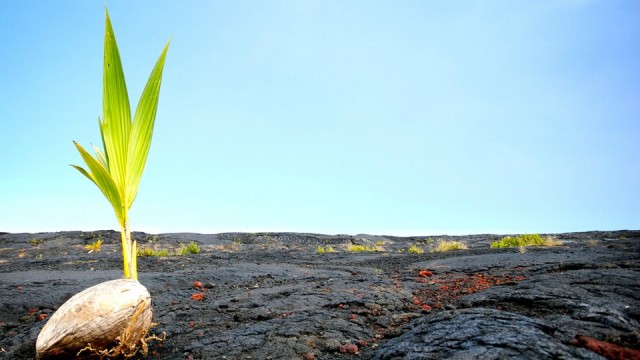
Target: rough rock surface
480, 334
274, 296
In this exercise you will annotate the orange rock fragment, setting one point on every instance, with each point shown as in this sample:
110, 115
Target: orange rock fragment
607, 349
349, 349
197, 297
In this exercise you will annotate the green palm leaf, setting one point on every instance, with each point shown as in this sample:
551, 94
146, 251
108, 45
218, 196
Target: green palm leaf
116, 123
101, 177
142, 129
118, 168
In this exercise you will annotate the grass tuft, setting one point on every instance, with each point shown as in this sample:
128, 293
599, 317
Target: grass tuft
36, 242
525, 240
518, 241
363, 248
152, 252
446, 245
322, 249
236, 244
184, 249
552, 241
190, 248
415, 249
94, 246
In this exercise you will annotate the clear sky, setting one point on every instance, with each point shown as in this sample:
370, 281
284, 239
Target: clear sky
384, 117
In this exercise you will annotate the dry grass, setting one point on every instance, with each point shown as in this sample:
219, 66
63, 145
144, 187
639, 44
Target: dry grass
323, 249
446, 245
363, 248
552, 241
94, 246
184, 249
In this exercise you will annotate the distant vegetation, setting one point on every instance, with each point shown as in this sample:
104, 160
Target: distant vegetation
236, 244
36, 242
446, 245
147, 251
364, 248
94, 246
185, 249
415, 249
190, 248
525, 240
327, 249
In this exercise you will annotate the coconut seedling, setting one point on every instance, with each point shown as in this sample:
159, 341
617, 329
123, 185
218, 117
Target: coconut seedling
112, 318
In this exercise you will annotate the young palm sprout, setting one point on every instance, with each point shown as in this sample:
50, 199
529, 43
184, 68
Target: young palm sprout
112, 318
118, 168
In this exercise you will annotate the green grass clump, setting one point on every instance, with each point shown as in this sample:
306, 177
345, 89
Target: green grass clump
152, 252
445, 245
190, 248
524, 240
36, 242
415, 249
363, 248
322, 249
184, 249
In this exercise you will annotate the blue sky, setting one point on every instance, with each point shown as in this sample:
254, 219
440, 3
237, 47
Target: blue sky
385, 117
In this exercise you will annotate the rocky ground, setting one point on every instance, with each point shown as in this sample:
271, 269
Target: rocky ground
274, 296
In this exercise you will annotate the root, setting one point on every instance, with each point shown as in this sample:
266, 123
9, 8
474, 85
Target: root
122, 349
125, 345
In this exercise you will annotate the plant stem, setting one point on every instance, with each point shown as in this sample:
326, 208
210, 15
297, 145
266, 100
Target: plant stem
125, 252
129, 253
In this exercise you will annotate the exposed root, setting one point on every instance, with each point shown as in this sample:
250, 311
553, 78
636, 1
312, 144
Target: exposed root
151, 337
121, 349
126, 345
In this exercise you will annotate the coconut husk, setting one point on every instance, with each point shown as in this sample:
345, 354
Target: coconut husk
106, 320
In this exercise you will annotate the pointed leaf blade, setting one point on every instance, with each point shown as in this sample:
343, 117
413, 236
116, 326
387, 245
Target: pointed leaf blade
116, 124
101, 177
85, 173
100, 157
142, 128
104, 146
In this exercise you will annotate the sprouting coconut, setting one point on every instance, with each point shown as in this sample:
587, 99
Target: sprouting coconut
112, 318
108, 319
